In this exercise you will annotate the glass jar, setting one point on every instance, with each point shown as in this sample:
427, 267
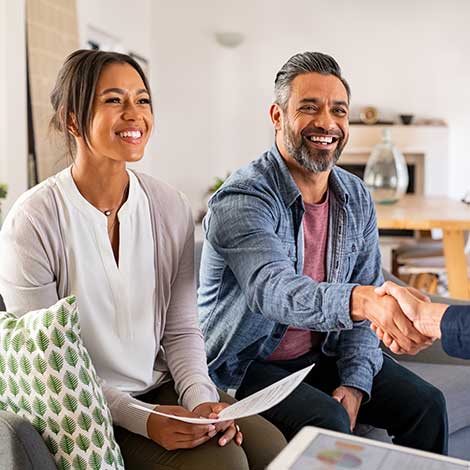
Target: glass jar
386, 173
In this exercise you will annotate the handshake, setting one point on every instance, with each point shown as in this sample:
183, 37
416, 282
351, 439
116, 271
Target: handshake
402, 317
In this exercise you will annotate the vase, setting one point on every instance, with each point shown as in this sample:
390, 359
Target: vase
386, 173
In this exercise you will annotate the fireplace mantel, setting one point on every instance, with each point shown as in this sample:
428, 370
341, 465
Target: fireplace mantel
426, 146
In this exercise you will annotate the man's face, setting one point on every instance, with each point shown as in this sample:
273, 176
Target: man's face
314, 128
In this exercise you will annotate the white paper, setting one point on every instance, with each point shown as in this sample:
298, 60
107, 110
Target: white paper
252, 405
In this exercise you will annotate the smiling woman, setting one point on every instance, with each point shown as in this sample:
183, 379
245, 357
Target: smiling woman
122, 242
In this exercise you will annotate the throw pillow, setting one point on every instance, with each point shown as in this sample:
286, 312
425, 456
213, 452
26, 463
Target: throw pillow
46, 376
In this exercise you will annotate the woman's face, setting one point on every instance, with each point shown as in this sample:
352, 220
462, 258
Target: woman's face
122, 118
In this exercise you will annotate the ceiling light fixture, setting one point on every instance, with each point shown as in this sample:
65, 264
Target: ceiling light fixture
230, 39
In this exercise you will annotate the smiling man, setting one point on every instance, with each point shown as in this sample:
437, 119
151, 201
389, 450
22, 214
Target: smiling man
289, 262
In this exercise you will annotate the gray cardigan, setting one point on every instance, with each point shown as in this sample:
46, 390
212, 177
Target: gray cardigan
34, 275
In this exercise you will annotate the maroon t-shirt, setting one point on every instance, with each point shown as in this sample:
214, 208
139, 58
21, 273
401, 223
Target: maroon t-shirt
297, 342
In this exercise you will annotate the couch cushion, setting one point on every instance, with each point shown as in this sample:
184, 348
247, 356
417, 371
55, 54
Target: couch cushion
21, 447
46, 376
454, 382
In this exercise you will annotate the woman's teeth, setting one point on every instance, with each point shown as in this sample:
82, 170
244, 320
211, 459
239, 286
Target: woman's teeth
131, 134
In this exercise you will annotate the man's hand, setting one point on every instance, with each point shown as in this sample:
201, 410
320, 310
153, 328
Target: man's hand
172, 434
229, 428
426, 317
351, 399
408, 298
386, 314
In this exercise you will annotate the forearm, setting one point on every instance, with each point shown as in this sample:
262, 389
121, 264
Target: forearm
359, 357
123, 414
186, 359
362, 302
283, 296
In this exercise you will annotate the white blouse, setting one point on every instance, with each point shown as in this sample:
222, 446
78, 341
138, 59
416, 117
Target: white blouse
116, 303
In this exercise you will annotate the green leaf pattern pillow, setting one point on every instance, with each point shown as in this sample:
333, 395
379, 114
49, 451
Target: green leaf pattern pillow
46, 376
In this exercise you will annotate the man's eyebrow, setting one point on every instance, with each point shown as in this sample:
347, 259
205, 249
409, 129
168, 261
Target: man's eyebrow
316, 100
309, 100
120, 91
341, 103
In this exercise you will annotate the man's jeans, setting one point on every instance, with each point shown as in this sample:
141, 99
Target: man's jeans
411, 410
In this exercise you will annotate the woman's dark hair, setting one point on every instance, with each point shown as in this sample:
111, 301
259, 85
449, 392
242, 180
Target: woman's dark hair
74, 91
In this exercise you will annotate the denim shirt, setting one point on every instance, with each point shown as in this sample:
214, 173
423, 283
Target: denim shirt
252, 285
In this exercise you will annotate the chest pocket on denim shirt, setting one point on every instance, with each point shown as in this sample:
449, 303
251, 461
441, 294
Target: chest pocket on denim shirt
352, 248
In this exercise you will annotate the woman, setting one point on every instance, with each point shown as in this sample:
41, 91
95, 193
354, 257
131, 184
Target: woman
122, 242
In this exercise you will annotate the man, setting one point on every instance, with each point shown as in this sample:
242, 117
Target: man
450, 323
288, 267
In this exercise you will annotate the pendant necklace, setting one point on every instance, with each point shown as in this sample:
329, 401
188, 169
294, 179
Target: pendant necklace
108, 212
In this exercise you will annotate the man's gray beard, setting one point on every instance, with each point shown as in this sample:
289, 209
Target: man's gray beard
317, 162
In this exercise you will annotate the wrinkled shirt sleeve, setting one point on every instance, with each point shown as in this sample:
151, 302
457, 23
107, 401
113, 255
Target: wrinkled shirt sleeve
360, 357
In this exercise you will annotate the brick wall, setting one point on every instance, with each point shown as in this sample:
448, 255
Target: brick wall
52, 34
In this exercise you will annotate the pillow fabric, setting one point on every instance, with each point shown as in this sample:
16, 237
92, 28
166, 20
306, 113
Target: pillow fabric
47, 377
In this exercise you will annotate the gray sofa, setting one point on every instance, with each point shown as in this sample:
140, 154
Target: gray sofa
22, 448
451, 376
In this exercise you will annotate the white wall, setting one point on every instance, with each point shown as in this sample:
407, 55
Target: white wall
131, 23
13, 116
127, 20
3, 61
212, 102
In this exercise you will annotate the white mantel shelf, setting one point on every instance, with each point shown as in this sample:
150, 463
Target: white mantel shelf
430, 141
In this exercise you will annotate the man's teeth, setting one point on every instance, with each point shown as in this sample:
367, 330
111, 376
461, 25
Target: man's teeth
323, 140
131, 134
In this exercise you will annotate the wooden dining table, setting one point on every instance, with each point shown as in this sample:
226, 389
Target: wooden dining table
415, 212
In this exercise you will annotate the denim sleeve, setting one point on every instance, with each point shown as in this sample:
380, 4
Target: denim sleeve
360, 357
455, 328
241, 227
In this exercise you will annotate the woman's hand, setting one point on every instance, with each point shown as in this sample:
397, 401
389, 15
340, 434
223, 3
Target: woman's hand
229, 428
172, 434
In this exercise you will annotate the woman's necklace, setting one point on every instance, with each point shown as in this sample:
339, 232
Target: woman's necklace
108, 212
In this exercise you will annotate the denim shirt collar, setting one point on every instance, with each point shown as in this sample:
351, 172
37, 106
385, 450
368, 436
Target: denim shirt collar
290, 191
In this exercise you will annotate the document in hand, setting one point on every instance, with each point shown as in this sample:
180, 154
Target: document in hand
252, 405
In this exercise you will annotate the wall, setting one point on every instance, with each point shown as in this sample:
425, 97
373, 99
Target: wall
52, 32
212, 102
3, 61
131, 24
13, 124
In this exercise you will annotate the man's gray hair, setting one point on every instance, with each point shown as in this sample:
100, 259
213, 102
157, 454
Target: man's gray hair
299, 64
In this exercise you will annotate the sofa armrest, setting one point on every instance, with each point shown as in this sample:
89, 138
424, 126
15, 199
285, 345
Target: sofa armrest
21, 446
432, 355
